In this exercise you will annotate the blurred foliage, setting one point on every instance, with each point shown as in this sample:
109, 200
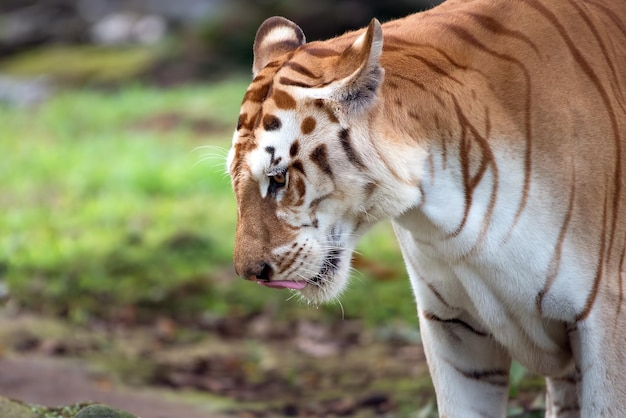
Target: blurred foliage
215, 44
81, 64
101, 212
228, 35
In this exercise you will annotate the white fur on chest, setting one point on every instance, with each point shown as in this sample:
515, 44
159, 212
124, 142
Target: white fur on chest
492, 269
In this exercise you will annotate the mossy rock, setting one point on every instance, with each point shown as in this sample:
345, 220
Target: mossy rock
102, 411
15, 409
10, 408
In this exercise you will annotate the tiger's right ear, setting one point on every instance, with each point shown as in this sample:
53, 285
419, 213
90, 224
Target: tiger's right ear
275, 37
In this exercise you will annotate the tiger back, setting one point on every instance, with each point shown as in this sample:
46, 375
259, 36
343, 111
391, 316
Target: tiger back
493, 135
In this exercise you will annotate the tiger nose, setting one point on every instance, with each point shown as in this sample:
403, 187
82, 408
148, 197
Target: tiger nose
258, 272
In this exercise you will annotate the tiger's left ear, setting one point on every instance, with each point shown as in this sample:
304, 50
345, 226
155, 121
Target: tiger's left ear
360, 62
276, 36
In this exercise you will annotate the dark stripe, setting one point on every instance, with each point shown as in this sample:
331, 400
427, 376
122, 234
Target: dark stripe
620, 278
257, 94
413, 45
286, 45
273, 159
431, 168
315, 203
492, 377
432, 317
605, 53
611, 14
571, 380
391, 48
464, 35
321, 52
319, 103
241, 121
297, 165
470, 182
308, 125
438, 295
290, 261
600, 268
496, 27
434, 67
555, 261
320, 157
344, 138
295, 194
301, 189
271, 123
370, 188
295, 147
300, 69
566, 409
410, 80
289, 82
274, 64
283, 100
588, 70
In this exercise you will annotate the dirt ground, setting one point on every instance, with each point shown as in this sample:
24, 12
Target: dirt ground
239, 368
56, 382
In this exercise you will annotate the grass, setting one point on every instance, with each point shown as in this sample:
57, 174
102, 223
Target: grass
111, 207
87, 63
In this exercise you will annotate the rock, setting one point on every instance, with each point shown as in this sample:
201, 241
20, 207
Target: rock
15, 409
102, 411
10, 408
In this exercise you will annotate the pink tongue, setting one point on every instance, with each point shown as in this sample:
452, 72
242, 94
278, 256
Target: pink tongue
284, 284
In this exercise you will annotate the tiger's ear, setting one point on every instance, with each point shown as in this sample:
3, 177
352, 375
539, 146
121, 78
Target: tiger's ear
275, 37
360, 63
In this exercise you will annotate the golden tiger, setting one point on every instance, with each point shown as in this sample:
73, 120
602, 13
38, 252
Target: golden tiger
493, 135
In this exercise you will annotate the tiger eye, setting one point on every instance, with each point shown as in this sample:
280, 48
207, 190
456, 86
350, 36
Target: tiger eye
279, 178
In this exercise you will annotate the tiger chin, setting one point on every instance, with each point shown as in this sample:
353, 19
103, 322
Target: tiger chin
493, 135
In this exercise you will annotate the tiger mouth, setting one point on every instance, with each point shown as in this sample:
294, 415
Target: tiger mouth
330, 266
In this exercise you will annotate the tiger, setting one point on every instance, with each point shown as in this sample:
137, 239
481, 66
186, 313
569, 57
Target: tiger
492, 134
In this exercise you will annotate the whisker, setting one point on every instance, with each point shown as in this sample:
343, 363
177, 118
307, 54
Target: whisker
343, 312
215, 153
293, 295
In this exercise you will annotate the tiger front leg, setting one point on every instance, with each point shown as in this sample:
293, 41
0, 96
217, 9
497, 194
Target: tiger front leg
598, 345
470, 370
562, 396
468, 367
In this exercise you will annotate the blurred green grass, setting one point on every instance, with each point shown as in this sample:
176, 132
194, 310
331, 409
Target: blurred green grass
116, 204
88, 63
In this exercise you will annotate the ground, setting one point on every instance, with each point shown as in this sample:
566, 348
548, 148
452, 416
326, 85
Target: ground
54, 382
238, 368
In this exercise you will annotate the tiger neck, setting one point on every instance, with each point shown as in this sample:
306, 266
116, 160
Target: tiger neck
434, 140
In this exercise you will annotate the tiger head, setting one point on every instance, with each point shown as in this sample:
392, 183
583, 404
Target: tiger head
306, 170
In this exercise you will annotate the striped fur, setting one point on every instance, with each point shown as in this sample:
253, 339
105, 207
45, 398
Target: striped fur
493, 135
